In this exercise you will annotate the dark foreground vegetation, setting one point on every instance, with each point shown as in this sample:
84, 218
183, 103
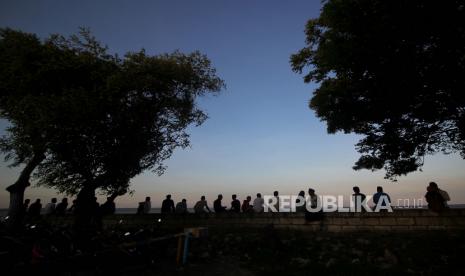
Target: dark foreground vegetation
41, 248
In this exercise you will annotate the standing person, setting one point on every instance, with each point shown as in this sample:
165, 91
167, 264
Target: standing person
50, 207
35, 208
358, 198
60, 210
147, 205
246, 207
108, 208
300, 202
201, 205
434, 199
381, 195
444, 194
181, 207
217, 206
167, 206
235, 204
258, 204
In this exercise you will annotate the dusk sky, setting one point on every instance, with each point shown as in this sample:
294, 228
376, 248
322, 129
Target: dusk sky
260, 136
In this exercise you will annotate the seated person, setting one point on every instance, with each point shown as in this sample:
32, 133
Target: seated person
201, 205
235, 204
61, 207
108, 208
181, 207
217, 206
246, 207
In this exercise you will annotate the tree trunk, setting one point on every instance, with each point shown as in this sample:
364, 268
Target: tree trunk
15, 210
86, 211
114, 195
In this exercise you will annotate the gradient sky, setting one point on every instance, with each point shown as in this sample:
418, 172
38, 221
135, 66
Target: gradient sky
261, 136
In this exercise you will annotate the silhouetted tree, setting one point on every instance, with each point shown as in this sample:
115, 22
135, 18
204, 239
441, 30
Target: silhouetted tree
35, 77
393, 72
114, 117
130, 123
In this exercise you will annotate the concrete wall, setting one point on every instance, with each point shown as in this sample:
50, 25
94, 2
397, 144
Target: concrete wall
399, 220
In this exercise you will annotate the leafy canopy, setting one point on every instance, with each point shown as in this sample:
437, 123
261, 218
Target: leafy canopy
112, 118
393, 72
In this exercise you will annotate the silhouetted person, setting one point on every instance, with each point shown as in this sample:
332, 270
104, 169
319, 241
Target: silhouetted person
147, 205
235, 204
378, 198
443, 193
358, 198
72, 209
201, 205
26, 203
434, 199
60, 210
140, 208
50, 207
311, 213
300, 202
25, 207
217, 206
96, 215
95, 206
35, 208
167, 206
258, 204
108, 208
246, 207
276, 199
313, 198
181, 207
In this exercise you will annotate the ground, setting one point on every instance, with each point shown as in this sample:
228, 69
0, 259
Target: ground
232, 252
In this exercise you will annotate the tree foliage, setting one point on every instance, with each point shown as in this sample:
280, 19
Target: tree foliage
106, 118
393, 72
